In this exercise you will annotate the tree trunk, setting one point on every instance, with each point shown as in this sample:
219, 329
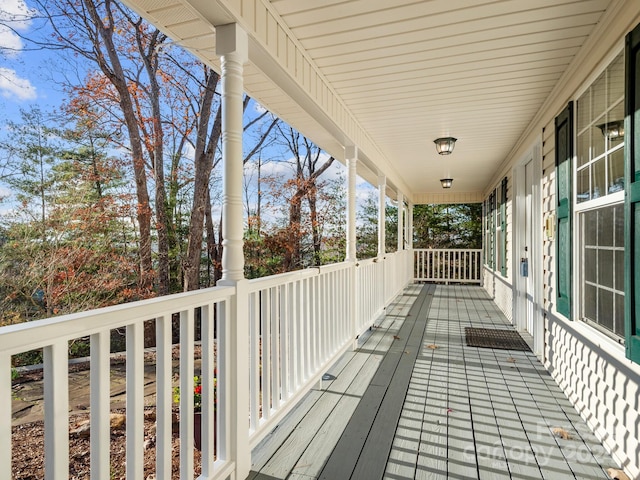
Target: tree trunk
115, 72
315, 225
150, 59
204, 164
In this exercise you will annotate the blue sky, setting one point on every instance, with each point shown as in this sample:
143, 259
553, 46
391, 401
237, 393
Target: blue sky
28, 76
23, 72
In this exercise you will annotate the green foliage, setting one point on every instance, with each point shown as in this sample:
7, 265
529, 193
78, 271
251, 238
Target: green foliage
448, 226
33, 357
79, 348
73, 252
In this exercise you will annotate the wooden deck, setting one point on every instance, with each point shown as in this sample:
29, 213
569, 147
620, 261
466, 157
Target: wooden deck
414, 401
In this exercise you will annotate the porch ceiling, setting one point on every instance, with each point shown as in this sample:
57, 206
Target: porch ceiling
391, 76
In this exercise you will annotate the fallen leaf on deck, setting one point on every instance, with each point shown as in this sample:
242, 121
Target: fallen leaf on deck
396, 337
617, 474
433, 346
511, 360
561, 433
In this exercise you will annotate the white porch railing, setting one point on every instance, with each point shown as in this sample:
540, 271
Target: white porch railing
295, 326
448, 265
53, 335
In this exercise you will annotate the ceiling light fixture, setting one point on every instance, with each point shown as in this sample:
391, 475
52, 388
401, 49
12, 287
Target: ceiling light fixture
446, 182
444, 145
613, 130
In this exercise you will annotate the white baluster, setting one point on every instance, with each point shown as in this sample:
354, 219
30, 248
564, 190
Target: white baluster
56, 410
100, 405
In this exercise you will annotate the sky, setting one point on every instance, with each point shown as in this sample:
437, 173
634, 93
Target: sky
27, 75
22, 72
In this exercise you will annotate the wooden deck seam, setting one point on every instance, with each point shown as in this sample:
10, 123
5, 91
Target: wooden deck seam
364, 447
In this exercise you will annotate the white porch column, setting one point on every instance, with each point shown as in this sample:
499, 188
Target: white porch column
410, 226
351, 156
382, 187
232, 47
400, 221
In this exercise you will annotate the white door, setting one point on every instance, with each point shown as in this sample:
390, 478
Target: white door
529, 248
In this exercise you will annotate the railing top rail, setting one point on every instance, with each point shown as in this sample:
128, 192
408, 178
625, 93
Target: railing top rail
257, 284
475, 250
366, 261
23, 337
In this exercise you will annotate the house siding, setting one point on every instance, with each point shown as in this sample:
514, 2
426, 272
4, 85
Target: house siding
590, 367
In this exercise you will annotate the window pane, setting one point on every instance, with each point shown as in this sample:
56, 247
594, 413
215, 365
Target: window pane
591, 228
605, 308
605, 268
590, 256
619, 268
598, 98
583, 111
615, 117
616, 171
605, 227
582, 188
582, 149
590, 302
598, 140
615, 73
618, 326
599, 179
618, 214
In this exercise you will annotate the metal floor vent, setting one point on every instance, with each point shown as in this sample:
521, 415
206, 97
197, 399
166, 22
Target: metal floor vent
495, 338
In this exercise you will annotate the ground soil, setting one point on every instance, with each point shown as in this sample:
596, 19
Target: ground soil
28, 437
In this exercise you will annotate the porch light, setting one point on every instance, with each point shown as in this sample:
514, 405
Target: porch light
444, 146
446, 182
613, 130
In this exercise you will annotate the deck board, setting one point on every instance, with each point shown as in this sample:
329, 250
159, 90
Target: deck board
364, 447
301, 446
415, 402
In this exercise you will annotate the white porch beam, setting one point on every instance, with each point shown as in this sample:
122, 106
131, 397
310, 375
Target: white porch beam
382, 201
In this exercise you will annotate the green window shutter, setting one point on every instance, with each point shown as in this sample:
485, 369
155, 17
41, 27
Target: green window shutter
486, 232
564, 155
632, 195
492, 232
503, 227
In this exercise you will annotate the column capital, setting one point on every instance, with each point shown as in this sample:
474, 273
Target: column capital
231, 39
351, 152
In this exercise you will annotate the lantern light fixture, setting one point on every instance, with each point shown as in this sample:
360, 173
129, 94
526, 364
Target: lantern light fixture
446, 182
613, 130
444, 145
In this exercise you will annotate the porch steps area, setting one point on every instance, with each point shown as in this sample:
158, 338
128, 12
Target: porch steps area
414, 401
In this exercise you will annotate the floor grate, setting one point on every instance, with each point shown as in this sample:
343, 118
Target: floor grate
495, 338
